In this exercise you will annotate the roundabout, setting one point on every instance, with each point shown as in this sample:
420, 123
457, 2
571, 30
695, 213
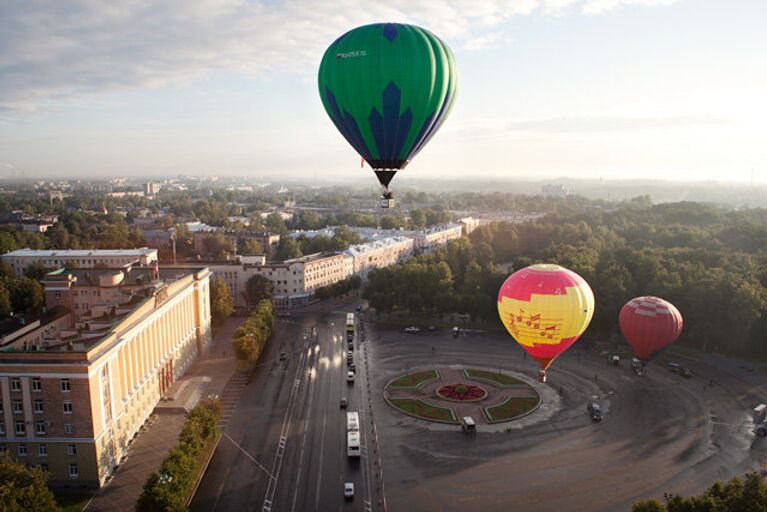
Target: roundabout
446, 394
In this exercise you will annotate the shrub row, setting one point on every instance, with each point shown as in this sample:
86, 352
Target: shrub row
250, 338
168, 489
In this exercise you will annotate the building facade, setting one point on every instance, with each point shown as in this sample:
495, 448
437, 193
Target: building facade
428, 240
22, 259
379, 254
73, 403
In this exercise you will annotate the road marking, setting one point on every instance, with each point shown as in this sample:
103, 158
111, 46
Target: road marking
322, 457
303, 441
286, 423
220, 489
247, 455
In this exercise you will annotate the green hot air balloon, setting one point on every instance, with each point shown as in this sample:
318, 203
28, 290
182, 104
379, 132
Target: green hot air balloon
388, 87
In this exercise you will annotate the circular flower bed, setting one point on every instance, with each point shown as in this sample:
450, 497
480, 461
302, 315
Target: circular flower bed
462, 392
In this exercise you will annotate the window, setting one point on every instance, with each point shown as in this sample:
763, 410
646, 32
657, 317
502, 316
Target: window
71, 450
1, 408
20, 428
40, 428
22, 450
15, 384
74, 293
57, 295
2, 428
69, 428
38, 406
42, 450
37, 385
65, 386
67, 407
18, 408
73, 471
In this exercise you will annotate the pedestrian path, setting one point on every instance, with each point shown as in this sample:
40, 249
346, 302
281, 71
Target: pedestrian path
214, 373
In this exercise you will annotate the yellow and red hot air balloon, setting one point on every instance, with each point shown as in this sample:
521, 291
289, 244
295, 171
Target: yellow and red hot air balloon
545, 308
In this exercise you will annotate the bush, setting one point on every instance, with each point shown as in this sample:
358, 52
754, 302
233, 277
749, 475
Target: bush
168, 489
250, 338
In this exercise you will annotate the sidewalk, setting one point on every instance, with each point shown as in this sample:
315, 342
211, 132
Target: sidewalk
210, 374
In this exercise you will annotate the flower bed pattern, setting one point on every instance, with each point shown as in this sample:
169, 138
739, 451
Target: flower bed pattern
500, 379
420, 409
413, 380
513, 407
462, 392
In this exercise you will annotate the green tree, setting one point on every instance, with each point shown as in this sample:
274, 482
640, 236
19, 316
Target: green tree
7, 242
27, 296
257, 289
288, 249
221, 302
24, 488
275, 223
5, 301
217, 246
249, 246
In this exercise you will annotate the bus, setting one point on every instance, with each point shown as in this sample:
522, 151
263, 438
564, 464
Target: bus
349, 326
353, 444
352, 422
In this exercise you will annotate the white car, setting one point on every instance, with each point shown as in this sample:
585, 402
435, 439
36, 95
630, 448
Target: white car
349, 490
350, 377
412, 330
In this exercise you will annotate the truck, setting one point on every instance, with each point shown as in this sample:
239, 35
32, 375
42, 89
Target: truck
349, 326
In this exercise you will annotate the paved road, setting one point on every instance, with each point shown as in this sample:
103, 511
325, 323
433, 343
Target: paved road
660, 433
285, 447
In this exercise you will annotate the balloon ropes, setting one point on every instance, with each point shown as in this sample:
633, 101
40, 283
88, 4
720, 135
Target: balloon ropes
388, 87
545, 308
649, 324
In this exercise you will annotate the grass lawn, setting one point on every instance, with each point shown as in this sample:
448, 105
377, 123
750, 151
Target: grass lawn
417, 407
511, 408
501, 379
413, 380
73, 502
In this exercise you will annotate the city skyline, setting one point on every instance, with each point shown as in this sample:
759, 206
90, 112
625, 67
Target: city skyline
560, 88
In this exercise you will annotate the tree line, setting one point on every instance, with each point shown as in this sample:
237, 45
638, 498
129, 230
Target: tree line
709, 261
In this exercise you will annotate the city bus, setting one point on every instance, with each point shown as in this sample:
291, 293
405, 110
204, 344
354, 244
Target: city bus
349, 326
353, 444
352, 422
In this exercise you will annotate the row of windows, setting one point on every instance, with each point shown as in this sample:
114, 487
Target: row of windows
20, 428
37, 407
42, 451
37, 384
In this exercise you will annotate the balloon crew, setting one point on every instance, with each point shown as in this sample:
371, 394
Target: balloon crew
545, 308
388, 87
649, 324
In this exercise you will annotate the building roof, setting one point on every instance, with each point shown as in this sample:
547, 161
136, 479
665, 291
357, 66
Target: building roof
13, 324
360, 249
143, 251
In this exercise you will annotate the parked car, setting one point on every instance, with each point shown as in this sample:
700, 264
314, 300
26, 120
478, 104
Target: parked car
283, 356
614, 360
412, 330
344, 402
350, 377
432, 328
468, 425
359, 308
456, 331
349, 490
352, 367
674, 367
685, 372
595, 411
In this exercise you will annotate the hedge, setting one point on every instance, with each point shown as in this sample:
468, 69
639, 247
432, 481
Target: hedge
168, 489
250, 338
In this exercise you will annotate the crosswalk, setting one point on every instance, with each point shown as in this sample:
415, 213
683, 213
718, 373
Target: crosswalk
230, 397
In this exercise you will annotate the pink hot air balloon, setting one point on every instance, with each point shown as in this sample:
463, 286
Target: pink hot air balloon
649, 324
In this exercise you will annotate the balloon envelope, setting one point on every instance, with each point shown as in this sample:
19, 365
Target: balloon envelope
388, 87
649, 324
545, 308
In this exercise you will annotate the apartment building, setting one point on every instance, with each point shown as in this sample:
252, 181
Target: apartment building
429, 239
22, 259
74, 394
378, 254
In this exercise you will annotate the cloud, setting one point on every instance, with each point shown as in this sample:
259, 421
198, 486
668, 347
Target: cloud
58, 51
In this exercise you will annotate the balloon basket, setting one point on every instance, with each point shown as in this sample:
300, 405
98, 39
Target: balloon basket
542, 376
387, 202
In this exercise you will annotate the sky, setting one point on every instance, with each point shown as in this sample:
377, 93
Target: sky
669, 89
